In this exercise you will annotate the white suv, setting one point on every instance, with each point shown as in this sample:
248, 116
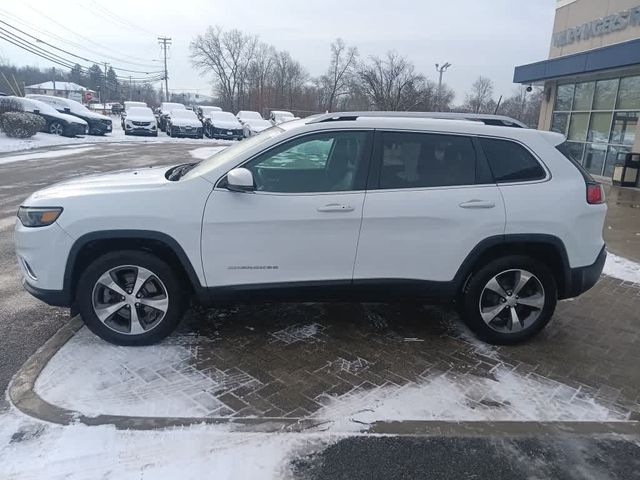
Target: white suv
355, 207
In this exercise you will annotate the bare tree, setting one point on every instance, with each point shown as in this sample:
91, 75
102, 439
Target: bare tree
523, 105
391, 83
227, 54
334, 83
480, 96
260, 77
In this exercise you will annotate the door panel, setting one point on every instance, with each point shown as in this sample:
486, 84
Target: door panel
301, 223
431, 202
425, 234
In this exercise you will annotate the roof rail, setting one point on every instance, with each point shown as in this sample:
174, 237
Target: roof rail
499, 120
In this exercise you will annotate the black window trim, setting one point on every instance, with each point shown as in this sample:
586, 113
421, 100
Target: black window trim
221, 182
376, 160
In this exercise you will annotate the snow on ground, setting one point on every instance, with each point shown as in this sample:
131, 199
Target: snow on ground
622, 268
205, 152
45, 154
30, 449
40, 140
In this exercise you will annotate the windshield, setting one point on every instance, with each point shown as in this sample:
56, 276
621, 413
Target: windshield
234, 151
183, 114
142, 111
78, 107
31, 105
131, 105
222, 116
167, 107
250, 115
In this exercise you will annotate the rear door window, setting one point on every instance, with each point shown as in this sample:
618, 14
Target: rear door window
510, 161
415, 160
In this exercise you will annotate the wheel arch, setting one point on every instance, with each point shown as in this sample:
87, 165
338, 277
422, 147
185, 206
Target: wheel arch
548, 249
89, 246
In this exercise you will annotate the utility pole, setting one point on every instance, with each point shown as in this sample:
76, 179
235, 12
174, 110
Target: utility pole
103, 100
440, 69
165, 42
130, 88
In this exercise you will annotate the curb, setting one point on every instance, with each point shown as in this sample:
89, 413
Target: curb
22, 395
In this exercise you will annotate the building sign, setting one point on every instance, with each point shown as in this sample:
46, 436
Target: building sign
597, 28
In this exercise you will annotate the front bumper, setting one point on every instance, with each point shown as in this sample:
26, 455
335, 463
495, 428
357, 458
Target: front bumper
99, 128
583, 278
196, 132
55, 298
224, 135
75, 129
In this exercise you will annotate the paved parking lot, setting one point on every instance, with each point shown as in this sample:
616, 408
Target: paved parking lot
344, 366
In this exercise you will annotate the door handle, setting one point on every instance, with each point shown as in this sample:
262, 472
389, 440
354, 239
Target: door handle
336, 207
475, 203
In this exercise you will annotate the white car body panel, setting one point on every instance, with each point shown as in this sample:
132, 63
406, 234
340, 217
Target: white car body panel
264, 237
424, 233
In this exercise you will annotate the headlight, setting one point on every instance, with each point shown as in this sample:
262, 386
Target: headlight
38, 216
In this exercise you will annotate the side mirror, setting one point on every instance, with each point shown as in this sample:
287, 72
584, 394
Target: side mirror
67, 110
37, 112
240, 180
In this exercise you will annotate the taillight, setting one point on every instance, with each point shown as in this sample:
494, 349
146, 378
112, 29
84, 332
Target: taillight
595, 193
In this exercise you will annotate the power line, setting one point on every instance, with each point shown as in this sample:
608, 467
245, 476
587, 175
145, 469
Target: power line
65, 51
120, 20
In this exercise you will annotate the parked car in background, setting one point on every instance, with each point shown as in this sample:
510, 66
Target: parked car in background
223, 125
98, 124
183, 123
203, 110
127, 105
56, 123
252, 122
358, 207
116, 108
164, 110
277, 117
140, 121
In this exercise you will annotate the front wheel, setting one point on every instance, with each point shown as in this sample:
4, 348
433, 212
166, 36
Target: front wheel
130, 298
56, 128
509, 300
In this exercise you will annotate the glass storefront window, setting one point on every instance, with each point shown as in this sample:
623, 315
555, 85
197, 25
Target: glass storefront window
599, 127
629, 93
564, 97
594, 156
578, 126
575, 151
624, 127
583, 99
612, 158
560, 122
605, 96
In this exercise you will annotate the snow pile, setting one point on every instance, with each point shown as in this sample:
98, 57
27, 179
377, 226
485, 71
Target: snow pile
31, 449
622, 268
508, 396
45, 154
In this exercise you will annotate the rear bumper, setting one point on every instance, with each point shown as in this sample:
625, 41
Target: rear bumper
583, 278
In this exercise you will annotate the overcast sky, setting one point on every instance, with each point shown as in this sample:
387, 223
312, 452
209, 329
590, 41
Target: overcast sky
478, 37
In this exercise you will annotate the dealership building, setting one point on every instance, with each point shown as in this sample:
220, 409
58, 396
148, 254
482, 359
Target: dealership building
591, 80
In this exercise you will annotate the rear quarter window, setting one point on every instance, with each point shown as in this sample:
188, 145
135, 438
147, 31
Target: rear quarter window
510, 161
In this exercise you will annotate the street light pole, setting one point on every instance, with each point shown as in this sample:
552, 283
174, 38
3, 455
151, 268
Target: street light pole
440, 69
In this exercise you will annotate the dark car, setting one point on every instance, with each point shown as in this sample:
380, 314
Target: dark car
164, 111
56, 123
183, 123
98, 124
223, 125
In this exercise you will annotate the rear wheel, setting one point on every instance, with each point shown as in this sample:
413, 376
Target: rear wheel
510, 299
130, 298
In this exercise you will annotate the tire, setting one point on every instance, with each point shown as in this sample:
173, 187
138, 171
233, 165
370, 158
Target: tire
56, 128
121, 270
532, 298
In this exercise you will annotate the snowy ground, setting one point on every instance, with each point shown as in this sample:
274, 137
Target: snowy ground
40, 140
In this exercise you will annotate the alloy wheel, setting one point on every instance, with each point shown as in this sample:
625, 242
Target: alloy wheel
56, 128
512, 301
130, 300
